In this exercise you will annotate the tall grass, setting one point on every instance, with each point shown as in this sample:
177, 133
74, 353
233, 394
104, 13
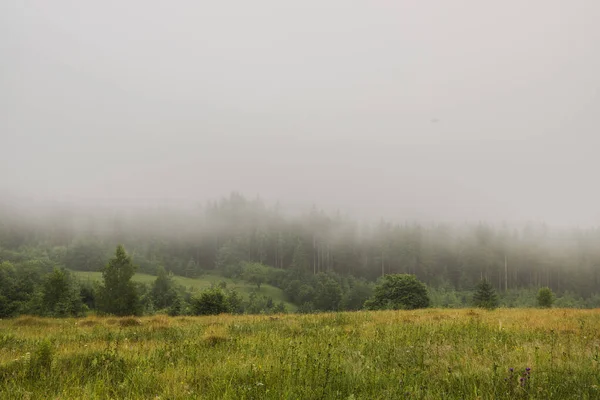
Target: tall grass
426, 354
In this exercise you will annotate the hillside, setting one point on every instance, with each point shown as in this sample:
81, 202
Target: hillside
204, 282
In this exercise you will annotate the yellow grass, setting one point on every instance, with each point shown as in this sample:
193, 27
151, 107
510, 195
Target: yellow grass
425, 354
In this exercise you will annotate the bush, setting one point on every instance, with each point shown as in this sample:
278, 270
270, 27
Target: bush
356, 295
399, 291
280, 308
569, 300
259, 304
306, 308
235, 302
41, 360
212, 301
176, 308
545, 297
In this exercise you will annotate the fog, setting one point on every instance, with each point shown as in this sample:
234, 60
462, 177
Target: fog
432, 110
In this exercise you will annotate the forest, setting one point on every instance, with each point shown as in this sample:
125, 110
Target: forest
321, 261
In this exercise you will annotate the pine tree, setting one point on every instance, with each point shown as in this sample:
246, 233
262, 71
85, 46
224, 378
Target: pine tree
485, 296
60, 296
163, 289
118, 294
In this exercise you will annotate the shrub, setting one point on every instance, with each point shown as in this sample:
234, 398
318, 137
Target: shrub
280, 308
212, 301
306, 308
235, 302
545, 297
41, 361
399, 291
177, 307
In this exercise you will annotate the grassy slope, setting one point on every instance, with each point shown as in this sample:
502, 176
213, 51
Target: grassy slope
426, 354
201, 283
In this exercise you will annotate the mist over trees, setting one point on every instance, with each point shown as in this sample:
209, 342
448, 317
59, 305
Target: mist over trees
321, 261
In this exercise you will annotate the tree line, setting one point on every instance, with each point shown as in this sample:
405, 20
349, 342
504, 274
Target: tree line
57, 294
331, 254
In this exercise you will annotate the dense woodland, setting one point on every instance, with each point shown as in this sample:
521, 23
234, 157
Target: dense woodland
245, 238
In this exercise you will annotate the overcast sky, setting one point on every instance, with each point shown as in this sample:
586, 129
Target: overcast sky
451, 110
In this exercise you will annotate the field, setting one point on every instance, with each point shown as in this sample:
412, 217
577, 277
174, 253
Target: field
204, 282
425, 354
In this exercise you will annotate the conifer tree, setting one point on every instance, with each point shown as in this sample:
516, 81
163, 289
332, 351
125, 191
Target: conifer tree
485, 296
118, 294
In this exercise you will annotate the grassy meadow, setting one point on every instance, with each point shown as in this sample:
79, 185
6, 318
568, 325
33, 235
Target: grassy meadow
425, 354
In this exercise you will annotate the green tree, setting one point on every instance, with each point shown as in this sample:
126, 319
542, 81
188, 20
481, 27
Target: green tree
356, 295
60, 295
163, 289
328, 295
25, 294
485, 296
255, 273
8, 306
545, 297
399, 291
118, 294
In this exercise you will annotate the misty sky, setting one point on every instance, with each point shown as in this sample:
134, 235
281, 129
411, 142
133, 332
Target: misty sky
452, 110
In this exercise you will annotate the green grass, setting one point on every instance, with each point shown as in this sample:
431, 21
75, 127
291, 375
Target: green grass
204, 282
426, 354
